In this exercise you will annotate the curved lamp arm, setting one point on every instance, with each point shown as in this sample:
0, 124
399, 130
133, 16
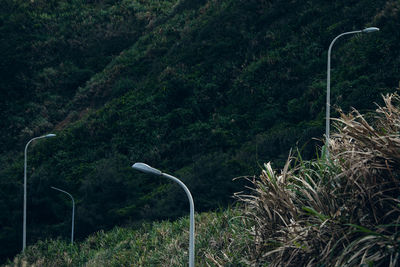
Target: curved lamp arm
73, 210
25, 185
147, 169
328, 79
328, 85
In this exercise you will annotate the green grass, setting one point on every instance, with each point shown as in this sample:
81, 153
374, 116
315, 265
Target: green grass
221, 238
205, 90
336, 211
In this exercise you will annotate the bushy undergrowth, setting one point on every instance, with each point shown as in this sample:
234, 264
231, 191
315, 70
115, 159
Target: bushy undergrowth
203, 89
337, 211
219, 238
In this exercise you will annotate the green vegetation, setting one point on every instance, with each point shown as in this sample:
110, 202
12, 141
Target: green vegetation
341, 211
338, 212
156, 244
207, 90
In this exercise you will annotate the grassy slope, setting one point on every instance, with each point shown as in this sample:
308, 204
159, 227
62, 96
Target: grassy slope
207, 92
156, 244
55, 47
336, 211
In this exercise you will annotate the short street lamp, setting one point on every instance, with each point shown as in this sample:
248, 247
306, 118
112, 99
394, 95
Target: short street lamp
25, 163
147, 169
73, 211
328, 85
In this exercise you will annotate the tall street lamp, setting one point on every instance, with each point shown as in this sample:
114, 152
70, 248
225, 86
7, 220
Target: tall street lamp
147, 169
25, 161
73, 211
328, 85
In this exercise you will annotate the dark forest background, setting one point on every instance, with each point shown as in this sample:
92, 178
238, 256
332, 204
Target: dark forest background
206, 90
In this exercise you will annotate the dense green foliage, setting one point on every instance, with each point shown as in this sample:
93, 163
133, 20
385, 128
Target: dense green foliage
341, 210
205, 90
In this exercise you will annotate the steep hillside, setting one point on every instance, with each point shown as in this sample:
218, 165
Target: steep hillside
341, 210
204, 90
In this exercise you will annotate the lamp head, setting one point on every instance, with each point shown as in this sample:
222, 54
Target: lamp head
146, 168
370, 29
49, 135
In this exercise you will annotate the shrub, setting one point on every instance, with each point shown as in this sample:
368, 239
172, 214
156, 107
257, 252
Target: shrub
336, 211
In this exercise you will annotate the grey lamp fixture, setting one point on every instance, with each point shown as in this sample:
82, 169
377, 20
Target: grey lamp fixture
328, 84
370, 29
150, 170
25, 165
73, 211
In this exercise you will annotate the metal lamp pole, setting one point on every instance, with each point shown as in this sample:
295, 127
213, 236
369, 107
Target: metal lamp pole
73, 211
25, 163
328, 85
147, 169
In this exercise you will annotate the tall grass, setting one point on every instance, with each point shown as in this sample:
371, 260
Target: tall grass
338, 211
341, 211
157, 244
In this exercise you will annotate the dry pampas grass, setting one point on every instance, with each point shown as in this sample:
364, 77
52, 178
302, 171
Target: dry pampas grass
338, 211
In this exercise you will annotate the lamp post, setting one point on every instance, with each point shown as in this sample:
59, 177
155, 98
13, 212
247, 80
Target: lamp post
25, 163
73, 211
328, 85
147, 169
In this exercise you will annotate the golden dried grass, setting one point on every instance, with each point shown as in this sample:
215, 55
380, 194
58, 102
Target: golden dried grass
341, 211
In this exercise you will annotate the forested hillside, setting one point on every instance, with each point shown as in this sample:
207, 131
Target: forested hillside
204, 90
341, 210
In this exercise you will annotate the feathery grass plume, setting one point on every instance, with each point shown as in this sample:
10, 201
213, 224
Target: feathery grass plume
369, 156
341, 211
292, 212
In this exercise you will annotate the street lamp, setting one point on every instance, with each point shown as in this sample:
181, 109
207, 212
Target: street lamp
73, 211
25, 161
328, 86
147, 169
